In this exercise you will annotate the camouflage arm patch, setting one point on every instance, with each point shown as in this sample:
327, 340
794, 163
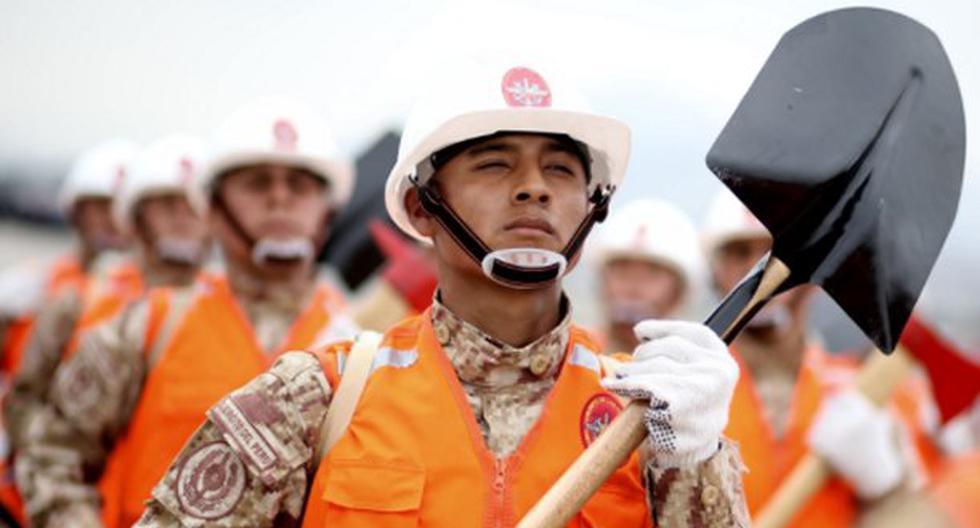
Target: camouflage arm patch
208, 485
247, 465
273, 420
709, 494
98, 387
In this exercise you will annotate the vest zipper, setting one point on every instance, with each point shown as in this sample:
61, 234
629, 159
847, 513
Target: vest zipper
499, 492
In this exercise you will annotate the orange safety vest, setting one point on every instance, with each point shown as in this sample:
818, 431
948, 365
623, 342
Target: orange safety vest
212, 351
770, 460
104, 300
65, 273
413, 454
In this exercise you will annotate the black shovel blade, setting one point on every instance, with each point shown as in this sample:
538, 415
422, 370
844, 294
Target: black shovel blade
849, 147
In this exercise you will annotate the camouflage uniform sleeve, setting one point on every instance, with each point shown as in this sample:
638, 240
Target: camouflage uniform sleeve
91, 398
709, 494
29, 390
259, 443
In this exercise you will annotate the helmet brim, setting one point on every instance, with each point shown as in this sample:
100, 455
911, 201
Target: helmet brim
608, 141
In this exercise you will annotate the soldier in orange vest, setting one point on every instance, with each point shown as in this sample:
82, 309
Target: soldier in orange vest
85, 199
793, 397
649, 267
471, 410
153, 204
56, 290
123, 405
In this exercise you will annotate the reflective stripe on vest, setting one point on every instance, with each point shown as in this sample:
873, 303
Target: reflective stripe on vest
414, 454
212, 351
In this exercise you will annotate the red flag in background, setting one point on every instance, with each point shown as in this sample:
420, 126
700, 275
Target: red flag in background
955, 379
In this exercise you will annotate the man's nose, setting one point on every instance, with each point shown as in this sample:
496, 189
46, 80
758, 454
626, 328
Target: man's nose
279, 192
531, 186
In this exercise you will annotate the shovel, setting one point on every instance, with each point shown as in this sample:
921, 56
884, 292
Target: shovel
849, 147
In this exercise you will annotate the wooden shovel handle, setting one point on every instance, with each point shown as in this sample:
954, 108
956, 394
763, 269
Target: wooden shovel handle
877, 379
590, 470
613, 447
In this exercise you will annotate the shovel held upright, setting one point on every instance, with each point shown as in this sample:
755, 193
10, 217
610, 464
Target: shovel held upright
849, 147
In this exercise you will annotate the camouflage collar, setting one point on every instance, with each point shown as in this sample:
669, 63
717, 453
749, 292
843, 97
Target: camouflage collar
480, 359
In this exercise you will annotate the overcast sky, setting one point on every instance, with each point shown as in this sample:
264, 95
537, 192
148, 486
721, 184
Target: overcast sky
73, 73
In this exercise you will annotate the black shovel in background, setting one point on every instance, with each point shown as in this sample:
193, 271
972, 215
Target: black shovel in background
849, 147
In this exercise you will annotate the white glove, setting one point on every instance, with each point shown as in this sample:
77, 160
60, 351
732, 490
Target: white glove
688, 375
21, 289
858, 440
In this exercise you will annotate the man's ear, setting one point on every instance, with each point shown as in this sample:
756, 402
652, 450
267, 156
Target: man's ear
420, 219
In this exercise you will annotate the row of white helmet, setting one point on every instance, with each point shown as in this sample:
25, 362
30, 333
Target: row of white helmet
474, 99
270, 130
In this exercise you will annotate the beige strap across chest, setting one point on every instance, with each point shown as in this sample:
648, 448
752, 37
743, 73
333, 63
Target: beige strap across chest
178, 302
348, 393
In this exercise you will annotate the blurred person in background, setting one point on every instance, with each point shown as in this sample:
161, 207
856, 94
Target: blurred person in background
274, 181
153, 204
793, 396
85, 199
952, 497
649, 267
38, 303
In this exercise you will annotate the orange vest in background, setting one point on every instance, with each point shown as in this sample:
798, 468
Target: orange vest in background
106, 298
769, 460
65, 273
414, 454
212, 351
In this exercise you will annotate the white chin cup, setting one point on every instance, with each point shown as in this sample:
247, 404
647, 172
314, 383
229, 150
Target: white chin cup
524, 268
271, 250
771, 316
177, 250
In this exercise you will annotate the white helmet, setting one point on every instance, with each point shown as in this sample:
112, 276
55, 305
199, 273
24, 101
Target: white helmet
282, 131
728, 220
475, 99
97, 173
472, 99
654, 230
173, 164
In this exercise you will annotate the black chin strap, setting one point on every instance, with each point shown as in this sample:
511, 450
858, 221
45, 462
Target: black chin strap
218, 202
512, 274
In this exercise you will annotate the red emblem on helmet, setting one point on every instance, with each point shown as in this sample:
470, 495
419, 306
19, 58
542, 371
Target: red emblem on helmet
119, 179
285, 135
525, 87
186, 171
640, 237
597, 414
